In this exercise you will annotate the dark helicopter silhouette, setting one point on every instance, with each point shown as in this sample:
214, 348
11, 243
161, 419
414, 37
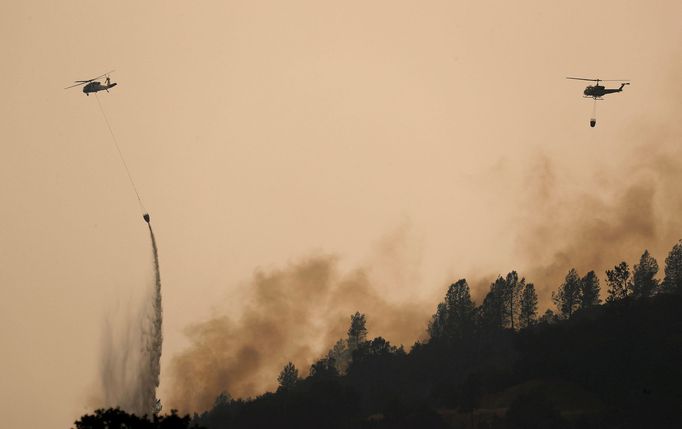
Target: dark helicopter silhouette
598, 91
92, 85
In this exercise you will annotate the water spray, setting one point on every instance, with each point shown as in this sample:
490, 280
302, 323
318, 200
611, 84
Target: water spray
132, 366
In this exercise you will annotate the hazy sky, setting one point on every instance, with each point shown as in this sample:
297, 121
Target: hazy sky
424, 140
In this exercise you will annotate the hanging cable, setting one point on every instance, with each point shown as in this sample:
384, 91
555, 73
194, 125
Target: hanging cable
120, 154
594, 109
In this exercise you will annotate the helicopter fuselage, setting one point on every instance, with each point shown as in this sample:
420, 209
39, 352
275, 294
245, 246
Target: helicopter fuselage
597, 91
96, 86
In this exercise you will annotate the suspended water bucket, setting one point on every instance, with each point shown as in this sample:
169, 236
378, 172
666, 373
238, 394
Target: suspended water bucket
593, 122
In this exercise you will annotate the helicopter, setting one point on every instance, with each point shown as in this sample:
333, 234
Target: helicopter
93, 85
598, 91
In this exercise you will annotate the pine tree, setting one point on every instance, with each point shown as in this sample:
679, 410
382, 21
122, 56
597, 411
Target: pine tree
288, 377
454, 316
567, 298
459, 310
619, 281
644, 283
673, 269
589, 290
357, 333
341, 355
512, 294
491, 312
528, 306
436, 327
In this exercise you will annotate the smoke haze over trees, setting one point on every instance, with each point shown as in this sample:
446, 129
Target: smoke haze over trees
611, 365
244, 358
294, 315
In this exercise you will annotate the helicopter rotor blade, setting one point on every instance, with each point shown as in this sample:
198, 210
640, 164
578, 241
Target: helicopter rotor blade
599, 80
582, 78
78, 84
102, 75
82, 82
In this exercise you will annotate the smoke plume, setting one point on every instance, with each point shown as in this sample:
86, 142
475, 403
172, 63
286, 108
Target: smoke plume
294, 314
630, 208
131, 358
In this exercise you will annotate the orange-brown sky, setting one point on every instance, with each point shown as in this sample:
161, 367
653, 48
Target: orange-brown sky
425, 141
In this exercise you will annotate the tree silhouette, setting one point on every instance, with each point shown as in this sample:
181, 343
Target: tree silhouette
357, 332
341, 355
512, 294
115, 418
528, 306
454, 317
492, 314
567, 298
644, 282
288, 377
324, 368
548, 317
460, 310
436, 328
673, 269
589, 290
222, 400
619, 281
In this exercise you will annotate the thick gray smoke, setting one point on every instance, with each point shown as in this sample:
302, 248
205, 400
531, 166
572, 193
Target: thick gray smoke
295, 314
131, 356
